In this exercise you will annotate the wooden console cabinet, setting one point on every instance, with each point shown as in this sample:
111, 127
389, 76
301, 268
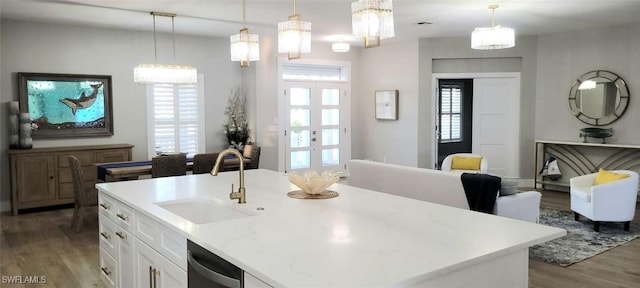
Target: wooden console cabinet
42, 177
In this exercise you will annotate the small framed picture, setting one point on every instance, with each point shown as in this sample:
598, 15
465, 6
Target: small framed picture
387, 105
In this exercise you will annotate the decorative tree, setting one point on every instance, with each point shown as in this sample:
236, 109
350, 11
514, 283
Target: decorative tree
236, 127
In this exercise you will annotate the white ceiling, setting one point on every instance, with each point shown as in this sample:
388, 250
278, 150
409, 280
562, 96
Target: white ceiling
329, 18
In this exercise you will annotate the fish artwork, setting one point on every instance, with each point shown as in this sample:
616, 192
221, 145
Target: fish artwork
84, 101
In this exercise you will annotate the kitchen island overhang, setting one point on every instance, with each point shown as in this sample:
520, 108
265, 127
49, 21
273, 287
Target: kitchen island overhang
362, 238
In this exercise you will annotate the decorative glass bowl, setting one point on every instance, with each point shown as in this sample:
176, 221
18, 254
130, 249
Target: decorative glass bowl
311, 182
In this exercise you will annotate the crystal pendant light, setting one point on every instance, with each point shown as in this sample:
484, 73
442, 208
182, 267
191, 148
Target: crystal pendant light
494, 37
245, 47
158, 73
294, 36
372, 20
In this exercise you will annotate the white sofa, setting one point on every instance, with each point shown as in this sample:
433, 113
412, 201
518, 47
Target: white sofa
435, 186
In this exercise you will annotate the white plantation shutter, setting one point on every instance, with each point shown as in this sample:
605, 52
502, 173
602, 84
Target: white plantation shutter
450, 113
177, 121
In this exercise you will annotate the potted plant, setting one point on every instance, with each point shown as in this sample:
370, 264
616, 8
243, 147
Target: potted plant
236, 127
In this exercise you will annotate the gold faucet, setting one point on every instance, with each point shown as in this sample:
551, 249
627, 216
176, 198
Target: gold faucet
241, 194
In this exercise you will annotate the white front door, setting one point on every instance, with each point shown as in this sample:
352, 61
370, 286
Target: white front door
496, 124
316, 135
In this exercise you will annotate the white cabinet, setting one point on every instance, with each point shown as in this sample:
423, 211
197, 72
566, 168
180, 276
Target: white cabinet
116, 244
137, 251
252, 282
156, 271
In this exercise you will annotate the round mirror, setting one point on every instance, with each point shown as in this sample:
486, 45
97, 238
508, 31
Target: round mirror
599, 97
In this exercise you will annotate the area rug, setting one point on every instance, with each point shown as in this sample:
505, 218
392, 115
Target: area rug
581, 242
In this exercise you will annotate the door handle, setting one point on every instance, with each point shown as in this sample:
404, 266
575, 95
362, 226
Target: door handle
314, 139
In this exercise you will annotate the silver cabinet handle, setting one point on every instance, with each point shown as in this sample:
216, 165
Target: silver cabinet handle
105, 235
105, 270
211, 275
104, 206
150, 276
155, 273
124, 218
121, 235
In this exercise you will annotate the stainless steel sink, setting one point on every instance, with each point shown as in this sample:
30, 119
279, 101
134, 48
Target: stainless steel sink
205, 210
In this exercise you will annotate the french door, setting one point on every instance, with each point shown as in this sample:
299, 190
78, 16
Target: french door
316, 134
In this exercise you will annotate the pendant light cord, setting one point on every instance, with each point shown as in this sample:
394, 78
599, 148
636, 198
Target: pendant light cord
173, 38
493, 8
294, 7
155, 41
244, 15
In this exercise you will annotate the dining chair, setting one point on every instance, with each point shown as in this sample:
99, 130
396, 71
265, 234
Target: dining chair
204, 162
254, 155
84, 197
168, 165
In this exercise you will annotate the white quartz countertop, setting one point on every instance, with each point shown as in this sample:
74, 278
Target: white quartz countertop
361, 238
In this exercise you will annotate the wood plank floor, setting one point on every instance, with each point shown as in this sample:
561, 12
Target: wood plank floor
617, 267
42, 244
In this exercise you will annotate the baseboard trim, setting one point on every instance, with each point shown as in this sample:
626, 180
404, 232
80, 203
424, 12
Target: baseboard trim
525, 183
5, 206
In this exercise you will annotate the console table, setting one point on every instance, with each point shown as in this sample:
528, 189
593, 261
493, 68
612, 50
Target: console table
42, 176
576, 159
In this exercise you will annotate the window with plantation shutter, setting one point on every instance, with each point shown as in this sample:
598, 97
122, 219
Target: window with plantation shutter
450, 113
176, 118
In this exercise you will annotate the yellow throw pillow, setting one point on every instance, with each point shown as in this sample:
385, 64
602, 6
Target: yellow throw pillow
605, 176
465, 163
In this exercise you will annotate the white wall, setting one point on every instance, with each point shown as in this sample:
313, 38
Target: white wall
392, 66
266, 83
459, 50
52, 48
563, 57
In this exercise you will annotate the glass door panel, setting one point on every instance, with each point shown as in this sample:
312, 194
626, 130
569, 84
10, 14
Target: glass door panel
314, 136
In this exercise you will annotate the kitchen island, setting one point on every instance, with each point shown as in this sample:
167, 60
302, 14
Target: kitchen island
361, 238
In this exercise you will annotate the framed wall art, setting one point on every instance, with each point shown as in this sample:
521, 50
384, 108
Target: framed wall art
67, 105
387, 105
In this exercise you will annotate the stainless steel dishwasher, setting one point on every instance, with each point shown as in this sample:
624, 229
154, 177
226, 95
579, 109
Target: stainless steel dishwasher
209, 270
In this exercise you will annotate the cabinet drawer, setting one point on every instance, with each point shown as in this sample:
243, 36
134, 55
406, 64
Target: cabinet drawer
108, 269
65, 191
88, 174
106, 206
252, 282
173, 245
107, 235
86, 158
112, 156
125, 217
146, 229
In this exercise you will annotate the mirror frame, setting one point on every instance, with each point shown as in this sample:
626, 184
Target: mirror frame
621, 107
